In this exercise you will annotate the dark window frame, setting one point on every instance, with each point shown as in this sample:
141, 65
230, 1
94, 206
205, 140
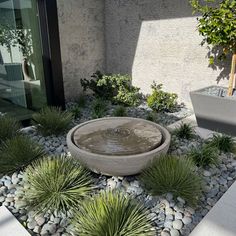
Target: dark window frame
51, 52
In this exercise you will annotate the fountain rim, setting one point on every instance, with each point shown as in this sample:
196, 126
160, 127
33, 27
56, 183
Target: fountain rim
165, 135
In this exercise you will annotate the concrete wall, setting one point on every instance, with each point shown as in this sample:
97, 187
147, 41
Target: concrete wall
81, 26
157, 40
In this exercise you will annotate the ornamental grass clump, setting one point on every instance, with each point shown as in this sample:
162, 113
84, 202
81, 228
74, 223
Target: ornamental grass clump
99, 108
52, 120
184, 131
223, 143
173, 174
110, 214
120, 111
18, 152
9, 127
56, 183
204, 156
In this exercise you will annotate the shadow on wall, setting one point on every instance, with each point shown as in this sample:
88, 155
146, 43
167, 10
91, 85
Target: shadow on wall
158, 40
219, 65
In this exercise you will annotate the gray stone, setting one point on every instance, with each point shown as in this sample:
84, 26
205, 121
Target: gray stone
174, 232
178, 216
40, 220
32, 224
177, 224
187, 220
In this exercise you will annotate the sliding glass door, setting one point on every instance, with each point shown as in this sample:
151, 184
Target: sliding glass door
22, 83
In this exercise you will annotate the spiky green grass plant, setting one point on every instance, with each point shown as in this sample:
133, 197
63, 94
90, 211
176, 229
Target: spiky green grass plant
120, 111
18, 152
204, 155
112, 214
56, 183
223, 143
9, 127
99, 107
76, 111
184, 131
52, 120
173, 174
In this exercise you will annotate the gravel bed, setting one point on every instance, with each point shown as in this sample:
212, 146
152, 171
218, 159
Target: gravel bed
142, 111
171, 217
217, 91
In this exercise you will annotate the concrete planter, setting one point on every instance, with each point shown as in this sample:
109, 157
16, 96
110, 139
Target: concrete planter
214, 113
117, 165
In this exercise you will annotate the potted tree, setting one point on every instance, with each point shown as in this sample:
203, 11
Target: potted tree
215, 107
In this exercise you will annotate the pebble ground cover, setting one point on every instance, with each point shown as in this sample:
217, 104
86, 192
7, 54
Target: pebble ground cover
170, 216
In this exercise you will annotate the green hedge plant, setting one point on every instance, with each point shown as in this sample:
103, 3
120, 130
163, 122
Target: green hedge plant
112, 214
18, 152
160, 100
115, 87
56, 183
175, 175
52, 121
9, 127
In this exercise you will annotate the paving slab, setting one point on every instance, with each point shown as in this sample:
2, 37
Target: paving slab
221, 219
9, 225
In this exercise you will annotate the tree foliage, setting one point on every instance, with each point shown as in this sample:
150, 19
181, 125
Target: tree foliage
217, 24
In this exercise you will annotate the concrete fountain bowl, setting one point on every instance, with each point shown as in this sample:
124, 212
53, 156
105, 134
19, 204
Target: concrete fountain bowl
118, 146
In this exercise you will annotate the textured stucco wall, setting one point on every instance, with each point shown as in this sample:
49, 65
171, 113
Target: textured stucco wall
157, 40
81, 26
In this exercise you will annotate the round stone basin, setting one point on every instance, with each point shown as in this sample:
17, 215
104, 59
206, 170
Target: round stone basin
117, 145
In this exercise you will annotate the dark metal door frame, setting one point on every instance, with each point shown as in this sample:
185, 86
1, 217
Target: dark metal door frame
51, 52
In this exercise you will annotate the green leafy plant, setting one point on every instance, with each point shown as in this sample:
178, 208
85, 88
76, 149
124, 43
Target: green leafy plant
51, 120
56, 183
172, 174
112, 214
8, 127
222, 142
217, 25
160, 100
18, 152
204, 155
184, 131
120, 111
99, 108
116, 88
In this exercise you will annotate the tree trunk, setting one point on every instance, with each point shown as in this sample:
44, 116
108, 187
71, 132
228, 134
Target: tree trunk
232, 73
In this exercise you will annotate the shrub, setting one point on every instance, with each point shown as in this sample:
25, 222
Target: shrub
120, 111
18, 152
116, 87
56, 183
51, 120
160, 100
222, 142
184, 131
99, 108
172, 174
8, 127
204, 155
112, 214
